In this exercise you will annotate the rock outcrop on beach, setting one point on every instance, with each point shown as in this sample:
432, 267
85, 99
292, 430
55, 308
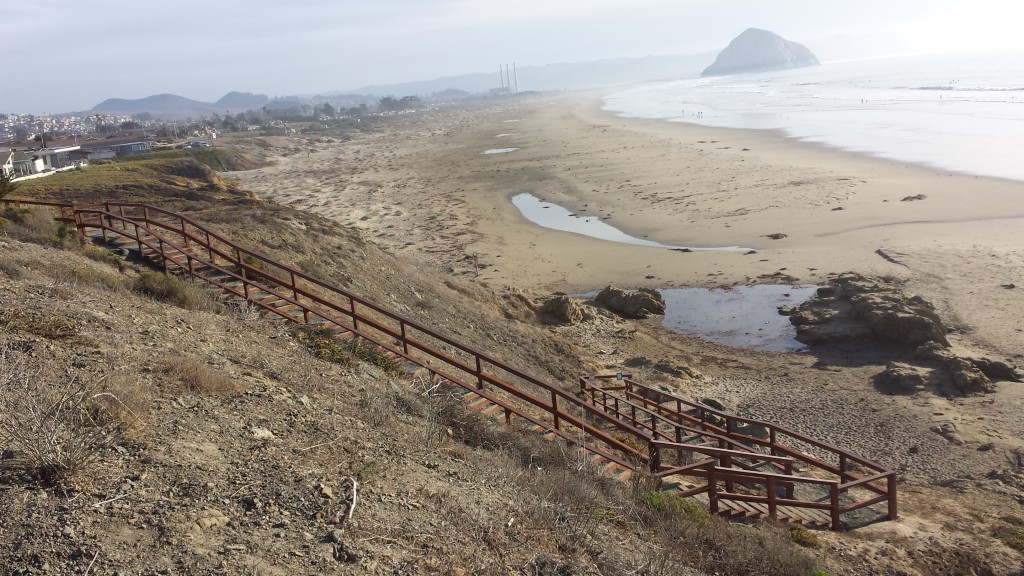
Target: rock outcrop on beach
855, 307
638, 304
759, 51
861, 308
561, 310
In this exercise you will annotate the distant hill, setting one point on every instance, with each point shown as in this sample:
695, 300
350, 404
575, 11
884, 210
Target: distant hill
562, 76
759, 51
241, 101
162, 105
172, 106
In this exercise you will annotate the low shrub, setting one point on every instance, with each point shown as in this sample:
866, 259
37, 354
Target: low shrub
1011, 532
51, 326
36, 225
56, 429
173, 290
105, 256
667, 503
321, 343
192, 376
803, 537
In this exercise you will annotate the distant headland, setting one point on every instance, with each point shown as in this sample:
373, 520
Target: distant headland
758, 51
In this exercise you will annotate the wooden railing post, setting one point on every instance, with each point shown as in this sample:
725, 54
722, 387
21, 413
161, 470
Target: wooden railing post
712, 489
480, 374
789, 485
833, 493
138, 239
653, 457
554, 409
771, 499
891, 487
405, 336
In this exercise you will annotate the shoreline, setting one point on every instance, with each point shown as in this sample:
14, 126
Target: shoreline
427, 192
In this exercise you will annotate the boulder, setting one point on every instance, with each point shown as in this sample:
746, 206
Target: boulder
638, 304
967, 378
966, 375
997, 370
561, 310
856, 307
900, 378
757, 51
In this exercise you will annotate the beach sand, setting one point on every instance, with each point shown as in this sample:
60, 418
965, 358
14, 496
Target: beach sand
424, 189
427, 191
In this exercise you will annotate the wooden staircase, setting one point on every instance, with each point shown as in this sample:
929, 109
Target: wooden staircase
738, 467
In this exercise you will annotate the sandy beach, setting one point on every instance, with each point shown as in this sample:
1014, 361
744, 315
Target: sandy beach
426, 191
429, 192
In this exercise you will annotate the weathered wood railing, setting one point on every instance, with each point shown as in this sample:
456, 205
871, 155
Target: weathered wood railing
182, 245
834, 465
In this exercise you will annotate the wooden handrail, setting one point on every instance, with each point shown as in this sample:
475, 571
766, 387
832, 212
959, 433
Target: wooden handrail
567, 412
722, 452
557, 395
768, 425
670, 407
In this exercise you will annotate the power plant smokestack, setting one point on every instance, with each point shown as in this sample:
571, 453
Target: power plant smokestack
515, 75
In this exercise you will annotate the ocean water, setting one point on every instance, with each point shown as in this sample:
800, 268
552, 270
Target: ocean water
963, 113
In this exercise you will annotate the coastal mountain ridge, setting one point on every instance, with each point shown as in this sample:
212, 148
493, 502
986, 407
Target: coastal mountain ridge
172, 105
757, 50
559, 76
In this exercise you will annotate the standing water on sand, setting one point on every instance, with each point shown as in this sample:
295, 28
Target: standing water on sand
739, 316
957, 112
553, 216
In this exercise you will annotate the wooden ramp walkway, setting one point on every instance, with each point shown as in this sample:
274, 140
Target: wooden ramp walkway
738, 467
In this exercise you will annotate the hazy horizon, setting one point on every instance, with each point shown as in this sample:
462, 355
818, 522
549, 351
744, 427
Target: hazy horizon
71, 56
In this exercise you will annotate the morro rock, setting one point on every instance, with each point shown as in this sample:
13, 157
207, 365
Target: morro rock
760, 51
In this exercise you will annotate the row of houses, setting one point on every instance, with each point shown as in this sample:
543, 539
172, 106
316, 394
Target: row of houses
31, 162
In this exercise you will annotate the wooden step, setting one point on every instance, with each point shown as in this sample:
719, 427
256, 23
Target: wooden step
492, 410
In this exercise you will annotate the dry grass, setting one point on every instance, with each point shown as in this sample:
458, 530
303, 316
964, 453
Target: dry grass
51, 326
36, 225
12, 269
1010, 531
56, 428
189, 375
173, 290
101, 255
573, 501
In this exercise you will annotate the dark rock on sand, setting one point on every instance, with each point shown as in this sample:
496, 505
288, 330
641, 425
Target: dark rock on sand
900, 378
638, 304
856, 307
963, 373
561, 310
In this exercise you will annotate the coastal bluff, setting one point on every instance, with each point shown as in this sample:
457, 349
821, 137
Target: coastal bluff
759, 51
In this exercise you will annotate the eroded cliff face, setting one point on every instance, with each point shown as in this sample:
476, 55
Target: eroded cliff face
757, 51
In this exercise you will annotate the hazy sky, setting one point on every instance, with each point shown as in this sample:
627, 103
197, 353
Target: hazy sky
63, 55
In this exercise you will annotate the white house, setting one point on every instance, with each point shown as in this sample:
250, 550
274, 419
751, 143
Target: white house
8, 166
